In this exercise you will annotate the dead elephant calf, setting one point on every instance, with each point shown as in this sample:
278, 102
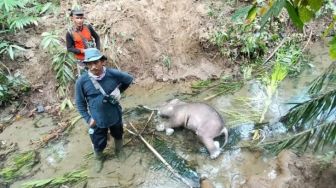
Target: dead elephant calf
201, 118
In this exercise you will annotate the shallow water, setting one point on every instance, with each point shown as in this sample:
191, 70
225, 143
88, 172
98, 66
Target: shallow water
231, 169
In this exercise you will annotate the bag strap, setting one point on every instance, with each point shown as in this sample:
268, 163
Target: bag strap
97, 86
85, 41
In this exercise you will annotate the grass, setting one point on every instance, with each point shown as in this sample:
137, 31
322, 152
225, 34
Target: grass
20, 164
217, 88
67, 179
167, 62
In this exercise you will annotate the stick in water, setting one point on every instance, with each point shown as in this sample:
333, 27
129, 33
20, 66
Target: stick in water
170, 168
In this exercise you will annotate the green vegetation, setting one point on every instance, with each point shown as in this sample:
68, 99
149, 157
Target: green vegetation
300, 13
223, 86
166, 61
62, 63
313, 121
11, 87
70, 178
15, 16
244, 43
265, 51
21, 163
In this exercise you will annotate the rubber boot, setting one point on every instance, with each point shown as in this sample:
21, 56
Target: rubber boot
118, 146
99, 160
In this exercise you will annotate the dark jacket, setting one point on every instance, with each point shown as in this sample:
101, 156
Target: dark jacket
89, 100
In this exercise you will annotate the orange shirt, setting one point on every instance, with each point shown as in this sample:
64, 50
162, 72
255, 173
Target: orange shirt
78, 39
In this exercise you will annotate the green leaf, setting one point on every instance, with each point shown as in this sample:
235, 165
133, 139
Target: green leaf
70, 105
241, 13
332, 49
18, 47
329, 28
315, 4
273, 11
293, 14
11, 52
252, 14
64, 104
305, 14
9, 5
45, 7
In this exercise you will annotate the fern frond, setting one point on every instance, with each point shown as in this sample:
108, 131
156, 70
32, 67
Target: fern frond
50, 40
11, 49
22, 21
9, 5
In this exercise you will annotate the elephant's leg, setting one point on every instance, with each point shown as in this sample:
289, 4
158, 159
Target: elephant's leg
212, 147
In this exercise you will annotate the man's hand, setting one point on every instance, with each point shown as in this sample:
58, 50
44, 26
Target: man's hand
92, 123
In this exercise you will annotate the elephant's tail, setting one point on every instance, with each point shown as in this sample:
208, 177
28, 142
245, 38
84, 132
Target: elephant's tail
226, 135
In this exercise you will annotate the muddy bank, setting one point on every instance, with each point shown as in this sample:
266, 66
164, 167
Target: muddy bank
291, 170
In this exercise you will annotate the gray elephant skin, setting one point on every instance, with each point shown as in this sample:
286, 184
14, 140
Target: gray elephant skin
201, 118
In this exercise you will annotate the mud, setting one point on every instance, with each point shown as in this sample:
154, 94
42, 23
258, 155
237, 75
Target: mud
291, 170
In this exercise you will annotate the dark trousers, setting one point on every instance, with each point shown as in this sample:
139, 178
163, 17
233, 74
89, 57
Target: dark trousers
99, 136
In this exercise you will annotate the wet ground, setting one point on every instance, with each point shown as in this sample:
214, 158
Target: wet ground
138, 168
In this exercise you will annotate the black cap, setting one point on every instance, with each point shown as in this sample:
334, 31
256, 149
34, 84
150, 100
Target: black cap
77, 12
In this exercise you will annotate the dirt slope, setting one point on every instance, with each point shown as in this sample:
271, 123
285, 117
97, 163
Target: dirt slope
153, 40
148, 33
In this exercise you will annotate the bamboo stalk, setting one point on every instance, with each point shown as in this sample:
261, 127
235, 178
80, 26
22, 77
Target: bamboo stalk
170, 168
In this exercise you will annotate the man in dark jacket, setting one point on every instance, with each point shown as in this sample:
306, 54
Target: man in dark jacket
97, 96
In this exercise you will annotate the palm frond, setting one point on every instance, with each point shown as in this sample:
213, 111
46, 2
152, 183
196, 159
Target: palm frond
317, 138
316, 108
322, 82
177, 162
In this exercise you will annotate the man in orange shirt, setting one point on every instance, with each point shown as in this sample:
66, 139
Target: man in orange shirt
80, 37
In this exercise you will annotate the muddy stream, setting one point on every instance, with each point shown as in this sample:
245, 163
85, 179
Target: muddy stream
139, 167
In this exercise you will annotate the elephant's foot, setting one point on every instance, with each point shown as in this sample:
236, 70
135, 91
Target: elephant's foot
169, 131
215, 154
160, 127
